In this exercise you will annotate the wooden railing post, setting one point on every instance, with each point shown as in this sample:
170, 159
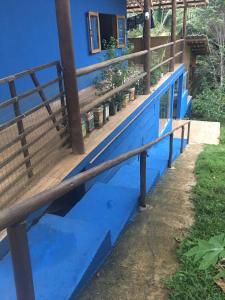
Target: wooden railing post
182, 140
143, 157
20, 127
173, 35
61, 90
44, 98
147, 41
184, 31
170, 152
64, 24
19, 248
188, 132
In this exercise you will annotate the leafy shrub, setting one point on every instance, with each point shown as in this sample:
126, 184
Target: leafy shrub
210, 105
208, 252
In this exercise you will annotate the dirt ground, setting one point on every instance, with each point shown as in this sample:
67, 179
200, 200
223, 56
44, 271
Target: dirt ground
146, 253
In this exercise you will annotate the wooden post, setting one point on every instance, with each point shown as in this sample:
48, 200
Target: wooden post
61, 90
184, 31
182, 140
147, 41
170, 152
64, 24
143, 158
19, 248
44, 98
173, 35
20, 127
189, 132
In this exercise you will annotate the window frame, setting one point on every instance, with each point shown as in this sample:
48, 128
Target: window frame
92, 49
123, 45
169, 109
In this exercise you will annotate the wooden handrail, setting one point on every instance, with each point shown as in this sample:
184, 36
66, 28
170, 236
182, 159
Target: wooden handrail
109, 62
27, 72
88, 106
161, 46
28, 93
19, 211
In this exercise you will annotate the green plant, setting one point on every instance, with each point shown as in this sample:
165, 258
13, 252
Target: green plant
208, 252
189, 282
117, 74
210, 105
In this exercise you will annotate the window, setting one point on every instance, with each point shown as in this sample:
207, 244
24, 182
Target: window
175, 100
185, 79
94, 32
164, 112
107, 28
104, 26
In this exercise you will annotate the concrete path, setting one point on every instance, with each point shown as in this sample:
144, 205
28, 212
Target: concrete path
202, 132
145, 254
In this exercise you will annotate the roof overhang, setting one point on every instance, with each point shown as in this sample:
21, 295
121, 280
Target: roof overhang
138, 5
199, 44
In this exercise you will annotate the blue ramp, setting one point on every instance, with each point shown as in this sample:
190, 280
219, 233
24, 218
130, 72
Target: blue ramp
129, 176
64, 254
110, 207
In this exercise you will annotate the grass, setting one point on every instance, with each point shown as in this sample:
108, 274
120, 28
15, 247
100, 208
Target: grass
208, 197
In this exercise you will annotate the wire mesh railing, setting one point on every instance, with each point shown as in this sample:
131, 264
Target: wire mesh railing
33, 127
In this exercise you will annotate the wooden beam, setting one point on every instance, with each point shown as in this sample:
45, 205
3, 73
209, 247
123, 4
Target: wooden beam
184, 31
64, 24
21, 261
173, 35
147, 41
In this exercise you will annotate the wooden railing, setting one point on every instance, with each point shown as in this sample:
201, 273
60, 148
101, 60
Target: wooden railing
54, 117
14, 217
87, 106
26, 132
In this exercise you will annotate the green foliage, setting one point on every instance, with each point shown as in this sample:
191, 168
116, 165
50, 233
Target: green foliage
210, 105
210, 68
208, 252
189, 282
117, 74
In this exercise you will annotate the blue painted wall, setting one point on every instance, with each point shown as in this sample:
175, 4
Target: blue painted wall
29, 33
29, 38
144, 128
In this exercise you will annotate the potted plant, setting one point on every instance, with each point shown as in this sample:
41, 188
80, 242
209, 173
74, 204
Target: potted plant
98, 116
105, 112
90, 121
132, 93
83, 126
113, 107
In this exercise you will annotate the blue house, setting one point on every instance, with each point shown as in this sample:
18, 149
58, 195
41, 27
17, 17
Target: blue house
64, 65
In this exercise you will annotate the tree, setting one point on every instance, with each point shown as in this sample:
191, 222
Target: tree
210, 21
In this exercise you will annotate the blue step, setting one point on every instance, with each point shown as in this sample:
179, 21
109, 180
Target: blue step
129, 176
65, 254
111, 207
